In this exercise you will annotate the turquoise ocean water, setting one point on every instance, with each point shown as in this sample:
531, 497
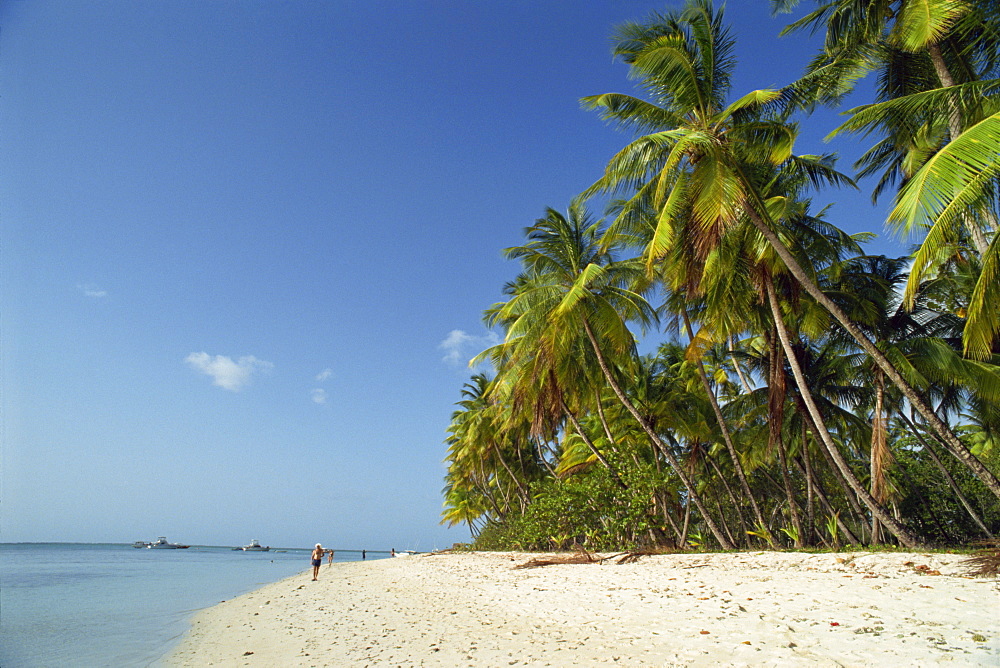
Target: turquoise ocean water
71, 604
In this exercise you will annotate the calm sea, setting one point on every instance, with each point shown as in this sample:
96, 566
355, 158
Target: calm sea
71, 604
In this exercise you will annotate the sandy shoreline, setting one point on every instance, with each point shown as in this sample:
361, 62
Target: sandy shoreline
742, 609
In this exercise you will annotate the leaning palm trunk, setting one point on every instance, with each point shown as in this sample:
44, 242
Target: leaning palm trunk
786, 481
657, 441
955, 129
879, 456
728, 439
739, 370
729, 492
952, 442
776, 418
810, 483
590, 444
807, 471
947, 476
904, 535
521, 487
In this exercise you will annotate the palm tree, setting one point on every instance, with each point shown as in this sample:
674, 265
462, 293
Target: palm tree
711, 162
939, 66
573, 297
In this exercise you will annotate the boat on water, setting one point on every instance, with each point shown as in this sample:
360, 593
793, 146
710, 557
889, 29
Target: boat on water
254, 546
162, 544
140, 544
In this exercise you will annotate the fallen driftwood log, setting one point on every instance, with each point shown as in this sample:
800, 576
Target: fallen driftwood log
583, 557
636, 555
580, 557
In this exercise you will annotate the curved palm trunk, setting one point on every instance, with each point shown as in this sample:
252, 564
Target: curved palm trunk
806, 467
678, 542
880, 458
728, 439
542, 457
793, 507
955, 129
904, 535
521, 488
482, 489
590, 444
739, 370
674, 464
604, 419
776, 420
729, 492
849, 495
807, 471
952, 442
947, 476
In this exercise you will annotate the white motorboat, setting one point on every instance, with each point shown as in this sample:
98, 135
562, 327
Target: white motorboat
254, 546
140, 544
162, 544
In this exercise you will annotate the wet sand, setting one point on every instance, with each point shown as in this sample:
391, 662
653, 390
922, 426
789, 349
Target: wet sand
739, 609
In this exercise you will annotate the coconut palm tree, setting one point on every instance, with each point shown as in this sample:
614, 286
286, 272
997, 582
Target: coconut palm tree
573, 297
708, 162
939, 63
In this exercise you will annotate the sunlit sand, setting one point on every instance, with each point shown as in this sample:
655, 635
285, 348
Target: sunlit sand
740, 609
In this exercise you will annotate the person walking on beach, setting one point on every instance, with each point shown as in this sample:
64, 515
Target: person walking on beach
317, 561
329, 559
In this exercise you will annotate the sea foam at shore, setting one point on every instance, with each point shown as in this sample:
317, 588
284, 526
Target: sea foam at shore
737, 609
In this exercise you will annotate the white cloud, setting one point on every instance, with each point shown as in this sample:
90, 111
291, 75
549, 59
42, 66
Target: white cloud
460, 347
226, 373
91, 290
318, 395
324, 375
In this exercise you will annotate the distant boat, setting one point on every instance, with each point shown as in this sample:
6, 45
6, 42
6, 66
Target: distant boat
162, 544
140, 544
254, 546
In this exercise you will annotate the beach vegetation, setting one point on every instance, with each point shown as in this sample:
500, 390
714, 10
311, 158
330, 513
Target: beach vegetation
794, 391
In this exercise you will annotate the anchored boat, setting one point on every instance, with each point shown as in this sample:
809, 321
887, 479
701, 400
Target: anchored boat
162, 544
254, 546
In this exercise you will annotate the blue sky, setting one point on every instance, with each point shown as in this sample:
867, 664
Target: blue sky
245, 248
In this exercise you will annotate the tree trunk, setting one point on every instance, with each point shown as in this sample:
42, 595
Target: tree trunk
590, 444
879, 456
947, 476
955, 128
657, 441
521, 488
810, 483
952, 442
776, 419
736, 365
728, 439
903, 534
828, 507
790, 494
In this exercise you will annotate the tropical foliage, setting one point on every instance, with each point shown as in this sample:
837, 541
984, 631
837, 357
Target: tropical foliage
799, 392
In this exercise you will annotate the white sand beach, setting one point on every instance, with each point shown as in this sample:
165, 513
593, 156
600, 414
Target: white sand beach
739, 609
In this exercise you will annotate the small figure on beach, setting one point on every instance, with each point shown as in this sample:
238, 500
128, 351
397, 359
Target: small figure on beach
329, 558
394, 552
363, 554
317, 560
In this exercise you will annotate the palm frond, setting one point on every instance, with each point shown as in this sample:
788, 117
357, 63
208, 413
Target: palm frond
952, 180
920, 23
983, 323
